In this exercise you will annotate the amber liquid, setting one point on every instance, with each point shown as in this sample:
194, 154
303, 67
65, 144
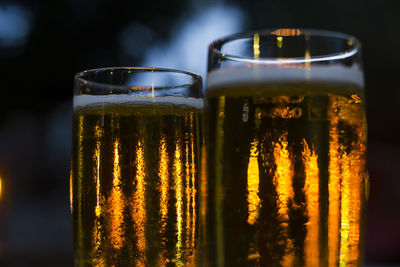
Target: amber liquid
135, 185
287, 180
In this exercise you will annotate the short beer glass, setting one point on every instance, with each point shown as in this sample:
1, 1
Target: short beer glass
286, 150
135, 167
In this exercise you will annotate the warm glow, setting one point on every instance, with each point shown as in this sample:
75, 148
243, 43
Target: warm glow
253, 180
346, 184
286, 112
78, 180
311, 190
134, 185
164, 190
139, 201
353, 182
351, 203
345, 222
256, 46
180, 192
71, 190
356, 99
193, 182
1, 189
98, 227
286, 32
188, 193
279, 41
283, 177
178, 176
307, 55
97, 238
164, 185
203, 193
117, 170
283, 183
253, 199
117, 202
334, 187
97, 160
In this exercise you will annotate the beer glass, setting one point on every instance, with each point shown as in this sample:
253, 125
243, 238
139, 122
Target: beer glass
286, 149
135, 167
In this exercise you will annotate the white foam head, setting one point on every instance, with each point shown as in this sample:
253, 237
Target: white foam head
93, 100
263, 74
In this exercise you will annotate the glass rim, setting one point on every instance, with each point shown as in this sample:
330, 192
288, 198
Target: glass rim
195, 78
216, 45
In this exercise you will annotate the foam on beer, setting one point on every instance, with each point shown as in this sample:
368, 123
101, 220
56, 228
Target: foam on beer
95, 100
263, 74
85, 100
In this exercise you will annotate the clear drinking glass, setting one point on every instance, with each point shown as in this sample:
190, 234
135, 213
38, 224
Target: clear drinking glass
135, 167
286, 147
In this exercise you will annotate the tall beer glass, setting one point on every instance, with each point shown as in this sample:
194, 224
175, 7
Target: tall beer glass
135, 167
286, 149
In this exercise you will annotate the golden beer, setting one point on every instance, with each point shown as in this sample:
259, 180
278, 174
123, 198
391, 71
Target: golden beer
135, 180
287, 180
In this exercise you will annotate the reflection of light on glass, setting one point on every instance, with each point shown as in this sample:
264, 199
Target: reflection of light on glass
139, 204
307, 56
152, 87
286, 32
193, 182
1, 188
98, 228
71, 191
253, 178
356, 204
283, 184
356, 99
97, 237
345, 212
203, 194
333, 186
256, 45
350, 208
188, 189
350, 42
96, 158
279, 41
311, 190
253, 199
219, 154
164, 185
352, 163
286, 112
78, 180
117, 202
252, 184
178, 176
164, 190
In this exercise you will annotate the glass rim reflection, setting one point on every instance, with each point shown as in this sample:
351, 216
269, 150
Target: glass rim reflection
355, 48
192, 78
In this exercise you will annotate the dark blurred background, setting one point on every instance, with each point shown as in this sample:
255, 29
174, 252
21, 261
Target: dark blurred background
43, 43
